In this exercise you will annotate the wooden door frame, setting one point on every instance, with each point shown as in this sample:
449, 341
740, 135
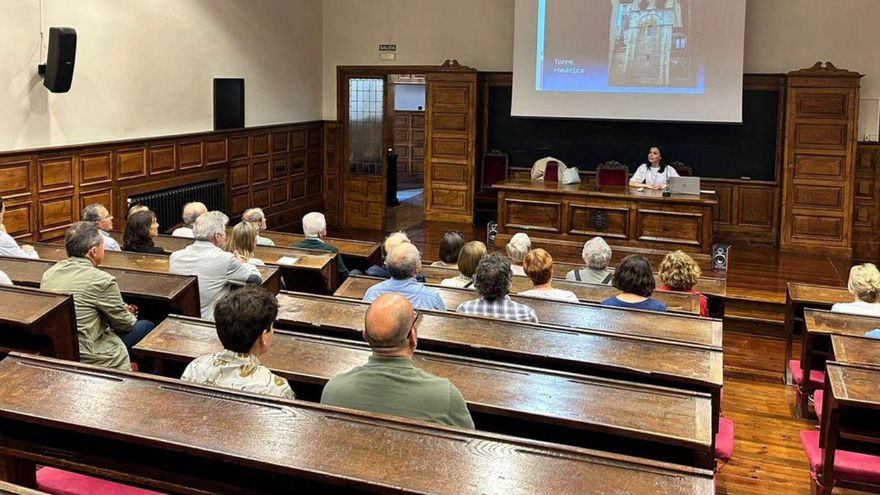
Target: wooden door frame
343, 74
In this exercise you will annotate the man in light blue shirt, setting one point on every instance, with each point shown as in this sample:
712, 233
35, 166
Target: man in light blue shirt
404, 262
97, 213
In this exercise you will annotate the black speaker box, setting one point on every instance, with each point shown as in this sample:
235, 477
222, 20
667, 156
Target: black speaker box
228, 103
720, 254
59, 62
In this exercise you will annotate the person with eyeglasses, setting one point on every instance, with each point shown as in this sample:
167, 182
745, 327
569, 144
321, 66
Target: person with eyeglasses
389, 383
96, 212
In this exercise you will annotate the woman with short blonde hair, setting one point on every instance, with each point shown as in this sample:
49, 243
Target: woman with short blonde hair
864, 285
538, 265
680, 273
468, 258
243, 240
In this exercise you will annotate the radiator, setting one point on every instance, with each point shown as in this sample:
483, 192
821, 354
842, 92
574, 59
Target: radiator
168, 204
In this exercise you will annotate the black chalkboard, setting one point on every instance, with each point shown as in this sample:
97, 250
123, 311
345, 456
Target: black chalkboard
712, 150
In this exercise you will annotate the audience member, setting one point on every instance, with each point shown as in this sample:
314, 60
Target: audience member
8, 246
389, 383
107, 328
403, 263
597, 255
468, 259
191, 211
243, 319
257, 217
864, 285
873, 334
492, 280
680, 273
4, 279
214, 267
517, 248
141, 229
244, 242
450, 246
97, 213
539, 268
391, 242
314, 228
635, 280
134, 209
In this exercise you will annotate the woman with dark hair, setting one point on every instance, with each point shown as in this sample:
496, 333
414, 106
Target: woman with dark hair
635, 281
450, 246
140, 230
654, 174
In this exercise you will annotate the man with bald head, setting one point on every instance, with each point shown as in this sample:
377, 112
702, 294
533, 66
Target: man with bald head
404, 262
389, 383
191, 211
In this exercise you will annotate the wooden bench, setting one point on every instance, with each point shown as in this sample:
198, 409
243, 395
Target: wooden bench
856, 350
312, 271
156, 294
38, 322
201, 439
579, 315
678, 302
356, 253
820, 325
544, 405
10, 489
850, 408
797, 297
616, 350
147, 262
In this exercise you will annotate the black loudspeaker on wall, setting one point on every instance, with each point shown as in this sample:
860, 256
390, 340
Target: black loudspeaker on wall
491, 232
57, 72
720, 253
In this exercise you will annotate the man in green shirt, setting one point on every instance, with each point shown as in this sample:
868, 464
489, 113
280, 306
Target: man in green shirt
100, 311
314, 228
389, 383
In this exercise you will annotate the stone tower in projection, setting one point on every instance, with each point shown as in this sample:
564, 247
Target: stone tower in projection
650, 44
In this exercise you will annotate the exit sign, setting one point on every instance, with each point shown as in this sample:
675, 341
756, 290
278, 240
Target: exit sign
387, 48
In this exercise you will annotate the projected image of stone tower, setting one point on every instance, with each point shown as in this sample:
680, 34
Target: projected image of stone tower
650, 44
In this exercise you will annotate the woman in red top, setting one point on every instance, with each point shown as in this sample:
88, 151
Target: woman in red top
680, 273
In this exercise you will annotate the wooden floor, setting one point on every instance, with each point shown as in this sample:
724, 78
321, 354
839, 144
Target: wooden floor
767, 457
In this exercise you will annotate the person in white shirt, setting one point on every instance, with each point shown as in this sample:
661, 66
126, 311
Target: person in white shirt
469, 257
654, 174
214, 267
539, 268
864, 284
191, 211
8, 246
517, 248
97, 213
258, 218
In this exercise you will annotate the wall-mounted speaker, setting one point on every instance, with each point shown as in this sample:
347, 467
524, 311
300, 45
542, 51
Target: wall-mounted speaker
228, 103
720, 253
491, 232
58, 71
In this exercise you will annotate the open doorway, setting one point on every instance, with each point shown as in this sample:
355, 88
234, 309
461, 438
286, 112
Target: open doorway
406, 203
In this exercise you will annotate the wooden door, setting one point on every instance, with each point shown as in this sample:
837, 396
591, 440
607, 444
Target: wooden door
364, 145
820, 146
409, 144
450, 134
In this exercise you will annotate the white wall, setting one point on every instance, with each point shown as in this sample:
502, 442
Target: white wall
781, 35
145, 68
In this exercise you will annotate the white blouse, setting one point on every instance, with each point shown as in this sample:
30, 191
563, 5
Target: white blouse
651, 176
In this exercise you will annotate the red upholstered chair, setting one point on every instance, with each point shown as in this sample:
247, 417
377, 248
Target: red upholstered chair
817, 379
60, 482
853, 467
682, 169
551, 171
818, 398
612, 174
724, 440
493, 169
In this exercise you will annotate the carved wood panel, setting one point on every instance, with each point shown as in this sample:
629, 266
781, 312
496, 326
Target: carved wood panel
18, 218
55, 173
53, 216
279, 142
261, 144
239, 147
131, 163
610, 223
298, 139
669, 227
94, 168
534, 215
866, 203
102, 196
189, 155
15, 177
215, 151
239, 175
756, 207
163, 159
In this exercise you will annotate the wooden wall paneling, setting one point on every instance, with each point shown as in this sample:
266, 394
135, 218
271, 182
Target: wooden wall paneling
450, 133
314, 186
298, 187
756, 207
331, 173
131, 163
95, 168
239, 147
298, 162
298, 138
866, 203
239, 200
216, 151
279, 142
260, 171
16, 176
260, 144
190, 155
239, 175
280, 193
261, 197
818, 181
103, 196
314, 158
315, 137
54, 214
19, 218
162, 158
55, 173
279, 167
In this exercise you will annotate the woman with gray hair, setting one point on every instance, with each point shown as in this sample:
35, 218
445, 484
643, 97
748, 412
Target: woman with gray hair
517, 248
597, 255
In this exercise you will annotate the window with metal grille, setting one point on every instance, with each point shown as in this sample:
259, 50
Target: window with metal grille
365, 124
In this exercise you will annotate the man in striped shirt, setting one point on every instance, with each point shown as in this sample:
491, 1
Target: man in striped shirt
492, 281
